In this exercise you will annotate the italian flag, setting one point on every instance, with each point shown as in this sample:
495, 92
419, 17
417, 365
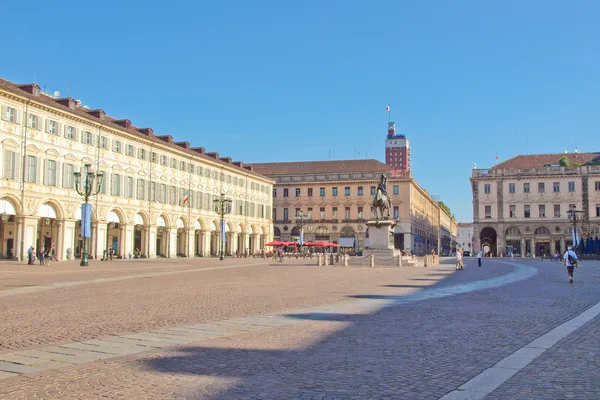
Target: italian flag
186, 197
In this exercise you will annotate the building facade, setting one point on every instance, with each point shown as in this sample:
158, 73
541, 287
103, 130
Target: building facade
156, 198
520, 205
334, 198
397, 151
465, 236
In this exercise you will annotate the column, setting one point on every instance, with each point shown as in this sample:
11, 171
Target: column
204, 242
19, 253
30, 225
66, 239
126, 240
172, 242
552, 246
93, 242
522, 247
255, 242
101, 244
145, 241
533, 247
151, 250
190, 236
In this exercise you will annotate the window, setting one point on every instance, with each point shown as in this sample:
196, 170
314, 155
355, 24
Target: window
571, 206
10, 165
347, 191
541, 187
360, 191
31, 173
542, 210
116, 146
191, 170
173, 163
571, 186
322, 192
68, 176
286, 216
487, 188
153, 157
556, 187
526, 188
334, 192
347, 212
557, 210
182, 168
33, 121
322, 213
87, 137
597, 184
511, 188
512, 211
597, 210
141, 189
297, 192
396, 189
52, 127
310, 192
285, 192
129, 187
373, 190
70, 132
488, 211
142, 154
9, 114
130, 151
309, 213
103, 142
334, 213
360, 213
115, 185
527, 211
173, 195
396, 212
50, 175
164, 160
163, 193
274, 193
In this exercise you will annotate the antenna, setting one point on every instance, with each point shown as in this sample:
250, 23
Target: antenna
517, 144
355, 154
330, 154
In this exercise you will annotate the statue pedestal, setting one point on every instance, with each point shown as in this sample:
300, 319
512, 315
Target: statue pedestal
381, 240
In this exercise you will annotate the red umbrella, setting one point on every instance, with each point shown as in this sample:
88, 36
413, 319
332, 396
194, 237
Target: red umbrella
276, 243
331, 245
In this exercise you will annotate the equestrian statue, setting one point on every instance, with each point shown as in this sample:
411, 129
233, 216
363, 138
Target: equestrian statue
381, 201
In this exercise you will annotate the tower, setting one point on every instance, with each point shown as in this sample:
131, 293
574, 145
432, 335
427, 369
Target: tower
397, 151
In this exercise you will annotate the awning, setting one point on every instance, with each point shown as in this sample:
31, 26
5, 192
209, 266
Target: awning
346, 242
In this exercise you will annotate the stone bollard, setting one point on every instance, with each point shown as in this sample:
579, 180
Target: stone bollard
319, 260
326, 260
425, 261
346, 261
372, 260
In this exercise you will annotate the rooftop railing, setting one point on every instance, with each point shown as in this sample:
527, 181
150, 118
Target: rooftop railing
551, 170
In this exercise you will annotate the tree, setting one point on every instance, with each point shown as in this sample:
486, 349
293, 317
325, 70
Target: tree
445, 207
564, 161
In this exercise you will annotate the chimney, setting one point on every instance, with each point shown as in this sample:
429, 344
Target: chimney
125, 123
249, 168
99, 113
166, 138
238, 164
198, 150
146, 131
214, 155
226, 159
185, 145
67, 102
31, 88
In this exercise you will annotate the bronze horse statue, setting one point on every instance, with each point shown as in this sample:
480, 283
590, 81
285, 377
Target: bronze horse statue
381, 201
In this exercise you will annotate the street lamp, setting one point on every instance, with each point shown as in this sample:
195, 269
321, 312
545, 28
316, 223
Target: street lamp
87, 190
222, 207
301, 220
575, 216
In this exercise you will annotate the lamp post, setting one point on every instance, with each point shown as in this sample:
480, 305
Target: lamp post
575, 216
86, 189
222, 207
301, 220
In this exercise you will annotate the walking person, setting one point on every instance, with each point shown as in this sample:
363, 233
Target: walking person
479, 257
30, 256
570, 261
459, 261
41, 254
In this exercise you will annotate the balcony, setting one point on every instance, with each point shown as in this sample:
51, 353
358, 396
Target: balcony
493, 173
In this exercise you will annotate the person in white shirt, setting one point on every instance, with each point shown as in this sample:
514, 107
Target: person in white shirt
459, 260
570, 261
479, 256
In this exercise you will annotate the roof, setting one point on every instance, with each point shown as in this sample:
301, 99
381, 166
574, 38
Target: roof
146, 133
541, 160
320, 167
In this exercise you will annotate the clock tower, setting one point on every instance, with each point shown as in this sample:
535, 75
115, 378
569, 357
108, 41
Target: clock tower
397, 151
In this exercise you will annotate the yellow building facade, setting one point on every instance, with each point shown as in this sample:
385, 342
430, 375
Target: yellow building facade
157, 196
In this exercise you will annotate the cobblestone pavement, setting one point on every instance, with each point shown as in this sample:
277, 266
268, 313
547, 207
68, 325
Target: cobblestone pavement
417, 350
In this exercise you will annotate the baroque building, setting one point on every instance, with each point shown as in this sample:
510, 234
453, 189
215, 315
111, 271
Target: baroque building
157, 195
334, 198
520, 205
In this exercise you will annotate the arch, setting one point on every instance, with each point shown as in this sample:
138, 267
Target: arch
488, 239
162, 220
276, 232
87, 160
9, 205
239, 229
265, 230
322, 230
229, 227
295, 231
213, 227
117, 167
254, 229
513, 232
242, 227
52, 153
201, 222
50, 209
180, 223
347, 231
139, 219
542, 231
197, 225
115, 215
9, 143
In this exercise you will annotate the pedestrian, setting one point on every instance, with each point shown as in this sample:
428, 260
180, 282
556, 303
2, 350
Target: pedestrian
479, 257
47, 256
110, 253
53, 254
459, 261
570, 261
30, 255
41, 254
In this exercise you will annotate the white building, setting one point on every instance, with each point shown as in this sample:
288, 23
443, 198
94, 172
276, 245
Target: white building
157, 195
465, 236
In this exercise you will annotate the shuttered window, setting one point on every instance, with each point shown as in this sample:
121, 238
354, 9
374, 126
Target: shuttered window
141, 189
11, 165
115, 185
31, 169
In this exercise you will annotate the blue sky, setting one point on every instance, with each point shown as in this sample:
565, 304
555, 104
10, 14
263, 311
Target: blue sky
280, 80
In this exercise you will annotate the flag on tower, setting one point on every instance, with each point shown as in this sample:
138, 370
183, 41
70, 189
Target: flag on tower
186, 197
387, 109
496, 156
